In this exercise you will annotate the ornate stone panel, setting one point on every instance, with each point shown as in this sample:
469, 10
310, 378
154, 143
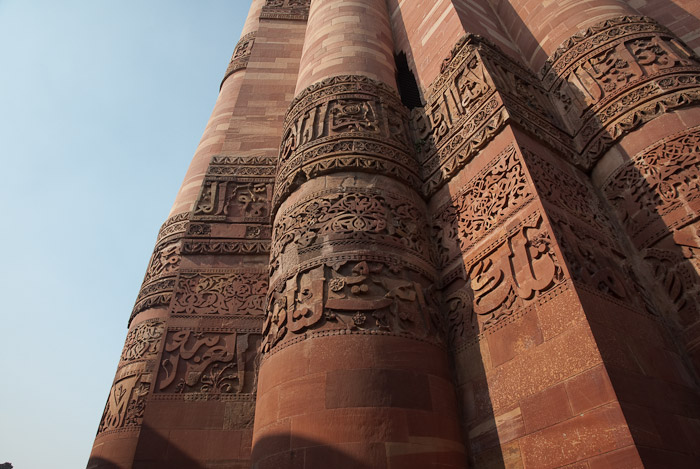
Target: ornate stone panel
617, 75
127, 400
143, 341
598, 263
344, 123
352, 293
486, 201
159, 281
501, 278
233, 199
221, 292
656, 196
659, 189
350, 217
241, 55
565, 188
478, 91
208, 362
286, 10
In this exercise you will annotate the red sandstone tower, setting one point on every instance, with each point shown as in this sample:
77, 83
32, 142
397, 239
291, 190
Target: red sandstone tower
430, 234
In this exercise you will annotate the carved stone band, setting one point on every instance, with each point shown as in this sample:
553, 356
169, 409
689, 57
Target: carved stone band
241, 55
345, 218
604, 79
159, 281
345, 123
354, 293
286, 10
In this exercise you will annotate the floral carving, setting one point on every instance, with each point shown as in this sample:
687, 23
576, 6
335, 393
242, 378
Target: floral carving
366, 214
568, 189
659, 189
240, 293
143, 341
207, 362
353, 296
487, 200
598, 263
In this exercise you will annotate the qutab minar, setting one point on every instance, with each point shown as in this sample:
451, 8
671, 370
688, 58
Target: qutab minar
430, 234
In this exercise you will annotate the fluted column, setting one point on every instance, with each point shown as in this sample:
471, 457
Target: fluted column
183, 395
354, 371
214, 135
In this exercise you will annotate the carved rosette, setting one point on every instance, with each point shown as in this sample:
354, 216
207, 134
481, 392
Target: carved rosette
615, 76
241, 55
344, 123
286, 10
159, 281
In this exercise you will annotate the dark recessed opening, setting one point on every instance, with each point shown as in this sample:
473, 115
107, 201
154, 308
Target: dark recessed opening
408, 87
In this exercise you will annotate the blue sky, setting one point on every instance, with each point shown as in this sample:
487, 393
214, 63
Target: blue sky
102, 104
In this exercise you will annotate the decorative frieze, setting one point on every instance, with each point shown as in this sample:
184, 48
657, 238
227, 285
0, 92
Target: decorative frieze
351, 217
143, 341
478, 92
239, 292
615, 76
352, 293
487, 200
344, 123
208, 362
241, 55
506, 276
126, 402
286, 10
658, 190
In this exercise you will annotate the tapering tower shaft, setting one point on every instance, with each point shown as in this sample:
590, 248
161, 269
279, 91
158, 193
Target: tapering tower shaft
354, 368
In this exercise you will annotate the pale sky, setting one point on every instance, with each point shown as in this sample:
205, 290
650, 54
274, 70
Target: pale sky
102, 104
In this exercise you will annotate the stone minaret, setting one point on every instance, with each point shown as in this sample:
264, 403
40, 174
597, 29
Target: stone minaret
455, 233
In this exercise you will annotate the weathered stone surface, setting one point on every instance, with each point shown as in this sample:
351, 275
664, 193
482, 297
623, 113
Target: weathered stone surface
497, 266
